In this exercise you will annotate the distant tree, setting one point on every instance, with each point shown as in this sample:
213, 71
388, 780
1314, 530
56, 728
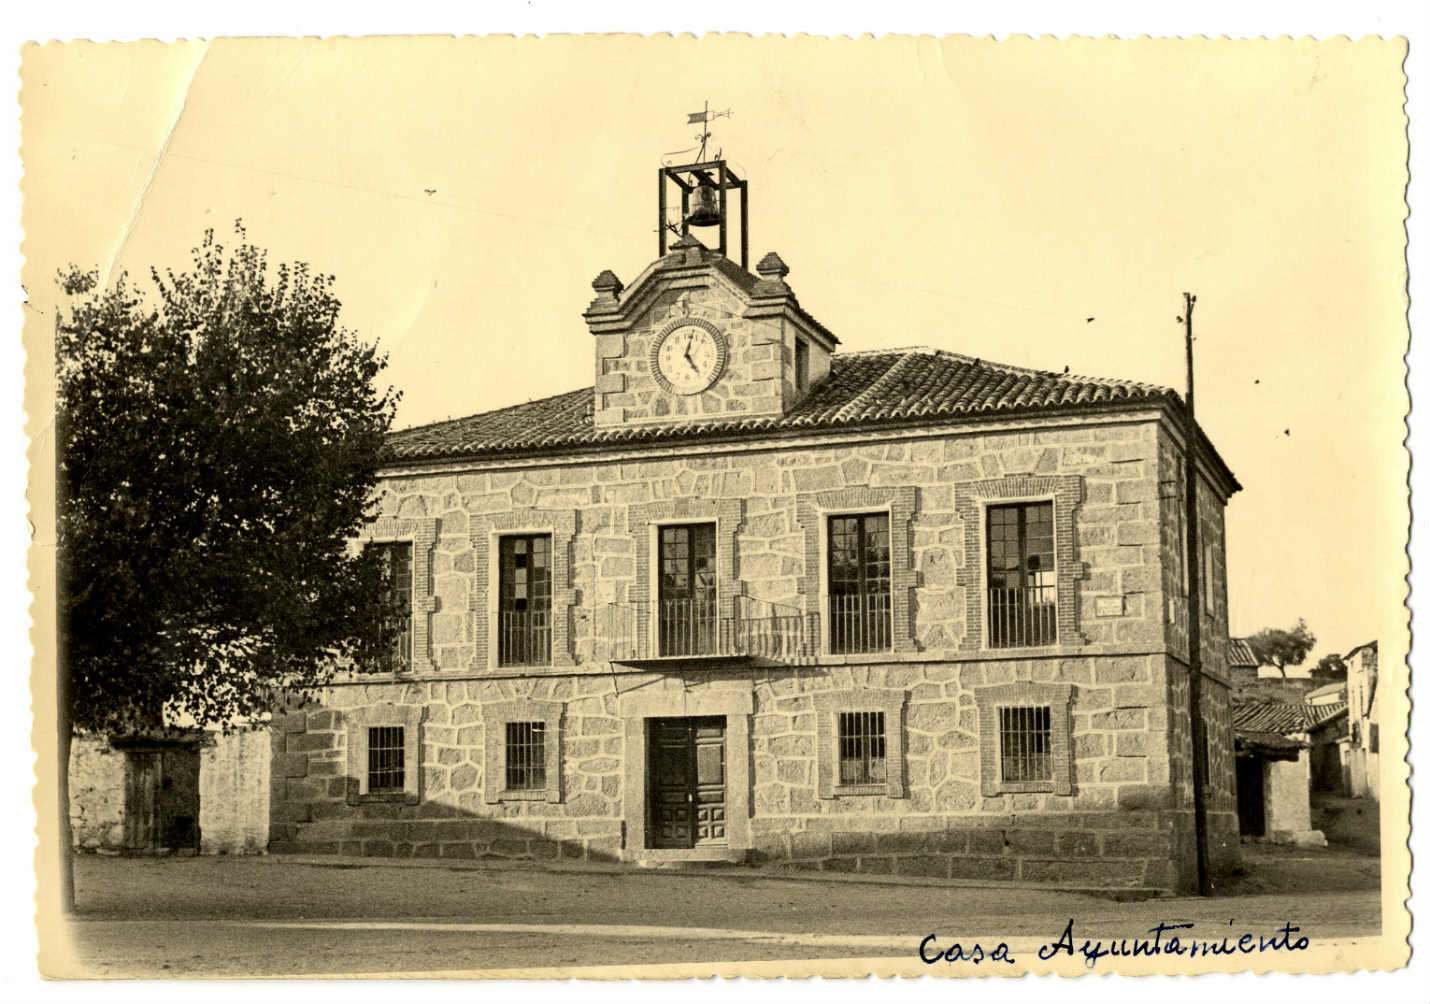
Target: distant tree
218, 441
1329, 669
1282, 648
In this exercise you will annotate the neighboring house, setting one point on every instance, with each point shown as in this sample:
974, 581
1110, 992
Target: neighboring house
1273, 771
171, 791
1252, 679
750, 598
1363, 720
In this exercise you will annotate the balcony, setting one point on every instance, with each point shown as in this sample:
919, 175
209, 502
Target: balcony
693, 629
1024, 617
523, 638
860, 622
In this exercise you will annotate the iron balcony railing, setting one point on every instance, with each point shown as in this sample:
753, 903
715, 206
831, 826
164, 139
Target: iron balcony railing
860, 622
1023, 617
523, 637
686, 628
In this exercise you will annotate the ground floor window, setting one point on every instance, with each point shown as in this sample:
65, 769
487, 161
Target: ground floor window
1025, 743
526, 756
1025, 738
861, 747
386, 760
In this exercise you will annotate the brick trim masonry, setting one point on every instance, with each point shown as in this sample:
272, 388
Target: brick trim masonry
561, 524
812, 509
970, 498
728, 516
495, 717
1058, 698
827, 707
358, 721
422, 535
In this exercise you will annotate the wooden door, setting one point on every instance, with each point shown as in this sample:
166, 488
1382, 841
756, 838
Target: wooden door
142, 777
687, 782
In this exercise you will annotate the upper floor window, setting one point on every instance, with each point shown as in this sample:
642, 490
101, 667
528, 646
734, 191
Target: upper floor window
860, 614
1022, 576
396, 563
524, 601
801, 365
686, 617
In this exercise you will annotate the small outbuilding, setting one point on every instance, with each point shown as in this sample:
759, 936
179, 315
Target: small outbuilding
1273, 771
171, 791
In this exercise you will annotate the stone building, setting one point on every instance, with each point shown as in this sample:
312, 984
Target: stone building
752, 598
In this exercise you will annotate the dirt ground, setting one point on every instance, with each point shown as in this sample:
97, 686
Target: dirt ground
283, 916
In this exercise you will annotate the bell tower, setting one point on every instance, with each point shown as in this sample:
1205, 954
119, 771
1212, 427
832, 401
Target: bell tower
697, 337
704, 187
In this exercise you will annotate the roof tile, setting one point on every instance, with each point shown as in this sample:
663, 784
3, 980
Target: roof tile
863, 388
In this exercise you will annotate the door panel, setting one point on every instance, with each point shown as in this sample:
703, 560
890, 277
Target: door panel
141, 800
687, 782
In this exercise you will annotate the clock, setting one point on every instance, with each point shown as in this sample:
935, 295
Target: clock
688, 355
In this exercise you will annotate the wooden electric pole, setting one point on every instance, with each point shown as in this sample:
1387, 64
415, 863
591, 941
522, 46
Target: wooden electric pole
1194, 615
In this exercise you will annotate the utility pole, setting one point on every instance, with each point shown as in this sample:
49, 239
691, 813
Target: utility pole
1194, 614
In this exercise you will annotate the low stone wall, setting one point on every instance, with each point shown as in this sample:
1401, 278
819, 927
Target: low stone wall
96, 782
234, 788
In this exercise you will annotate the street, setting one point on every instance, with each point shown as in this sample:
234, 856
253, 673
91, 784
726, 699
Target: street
274, 917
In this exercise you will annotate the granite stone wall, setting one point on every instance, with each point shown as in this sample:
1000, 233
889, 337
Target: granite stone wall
1124, 821
96, 781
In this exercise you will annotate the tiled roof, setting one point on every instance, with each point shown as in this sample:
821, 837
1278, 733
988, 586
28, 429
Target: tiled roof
1239, 654
1250, 717
1268, 716
862, 389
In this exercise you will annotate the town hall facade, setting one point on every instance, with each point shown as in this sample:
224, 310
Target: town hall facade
753, 598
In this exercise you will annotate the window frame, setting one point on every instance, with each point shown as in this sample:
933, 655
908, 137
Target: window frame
861, 563
484, 596
496, 717
357, 722
503, 540
990, 701
801, 364
829, 706
422, 535
391, 663
705, 527
1022, 505
400, 747
971, 500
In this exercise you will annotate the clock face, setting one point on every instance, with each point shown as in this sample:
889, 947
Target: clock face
689, 357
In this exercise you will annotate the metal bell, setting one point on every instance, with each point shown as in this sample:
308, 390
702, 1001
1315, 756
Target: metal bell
704, 206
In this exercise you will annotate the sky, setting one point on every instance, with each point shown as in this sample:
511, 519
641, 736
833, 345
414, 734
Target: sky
987, 198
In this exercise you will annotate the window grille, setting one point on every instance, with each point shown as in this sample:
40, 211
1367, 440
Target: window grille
525, 756
524, 607
396, 561
1374, 737
1025, 740
860, 611
861, 747
386, 754
1022, 576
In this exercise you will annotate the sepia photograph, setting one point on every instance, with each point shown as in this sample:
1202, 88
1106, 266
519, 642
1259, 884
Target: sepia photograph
618, 507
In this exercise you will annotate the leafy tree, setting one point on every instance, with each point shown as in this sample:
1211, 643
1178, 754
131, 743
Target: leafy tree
1281, 648
1330, 668
218, 441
